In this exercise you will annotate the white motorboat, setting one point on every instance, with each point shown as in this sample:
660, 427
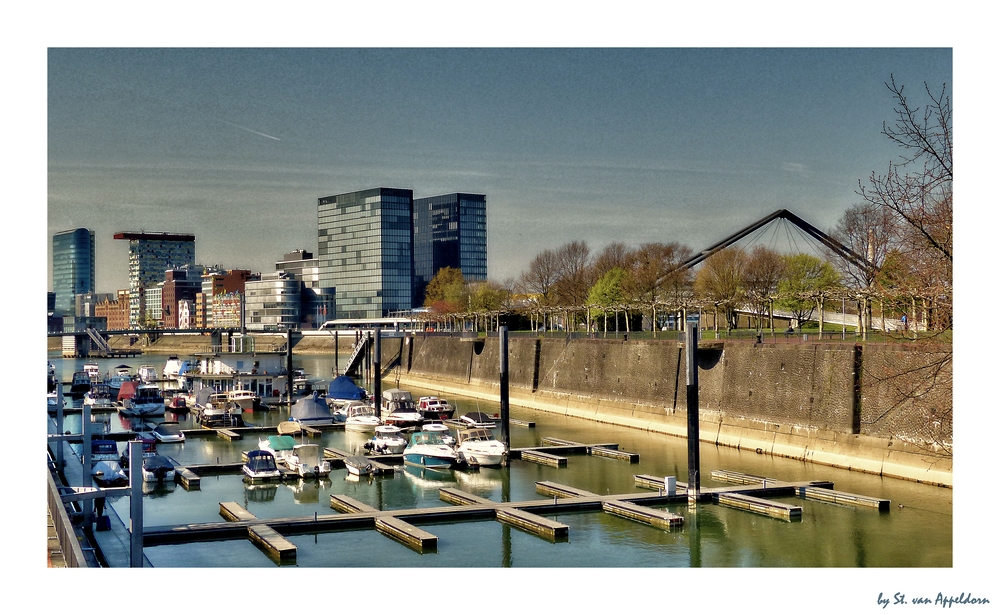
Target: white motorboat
53, 401
218, 411
158, 469
146, 373
306, 460
122, 374
168, 431
479, 420
441, 428
105, 463
99, 397
358, 465
93, 370
360, 417
247, 400
435, 408
426, 449
388, 440
147, 401
260, 466
478, 447
398, 409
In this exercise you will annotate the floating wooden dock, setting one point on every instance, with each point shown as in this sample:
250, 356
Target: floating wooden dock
232, 511
406, 533
760, 506
728, 476
648, 481
561, 491
535, 524
229, 434
643, 514
613, 453
543, 458
272, 543
839, 497
347, 504
461, 498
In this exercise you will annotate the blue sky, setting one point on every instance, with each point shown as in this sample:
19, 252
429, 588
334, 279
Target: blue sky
593, 144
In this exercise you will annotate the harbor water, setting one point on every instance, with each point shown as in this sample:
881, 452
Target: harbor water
915, 533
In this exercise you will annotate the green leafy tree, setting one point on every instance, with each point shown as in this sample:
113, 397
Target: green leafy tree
446, 292
608, 294
806, 280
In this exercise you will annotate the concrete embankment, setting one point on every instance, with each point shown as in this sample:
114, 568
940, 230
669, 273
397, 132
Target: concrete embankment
854, 407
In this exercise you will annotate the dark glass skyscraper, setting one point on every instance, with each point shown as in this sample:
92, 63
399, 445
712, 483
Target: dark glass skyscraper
448, 231
366, 251
73, 271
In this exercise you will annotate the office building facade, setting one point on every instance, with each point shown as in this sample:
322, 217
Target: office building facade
73, 267
448, 231
150, 255
366, 251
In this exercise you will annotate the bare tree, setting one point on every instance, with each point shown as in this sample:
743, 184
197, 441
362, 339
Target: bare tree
541, 276
763, 270
871, 232
720, 282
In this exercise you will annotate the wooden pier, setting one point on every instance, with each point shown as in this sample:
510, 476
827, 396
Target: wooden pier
643, 514
839, 497
543, 458
760, 506
529, 516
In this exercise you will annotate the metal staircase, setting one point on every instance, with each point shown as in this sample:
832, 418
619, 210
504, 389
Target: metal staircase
99, 341
359, 352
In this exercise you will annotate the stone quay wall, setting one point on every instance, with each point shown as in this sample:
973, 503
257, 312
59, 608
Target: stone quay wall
867, 408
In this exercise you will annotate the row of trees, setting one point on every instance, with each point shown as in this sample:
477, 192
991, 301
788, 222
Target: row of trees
901, 230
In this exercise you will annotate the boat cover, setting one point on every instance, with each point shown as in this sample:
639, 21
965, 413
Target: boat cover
281, 443
342, 387
311, 408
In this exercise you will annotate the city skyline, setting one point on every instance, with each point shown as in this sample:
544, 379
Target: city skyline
599, 145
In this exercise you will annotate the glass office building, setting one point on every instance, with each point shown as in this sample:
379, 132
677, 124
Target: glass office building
366, 251
448, 231
72, 267
150, 255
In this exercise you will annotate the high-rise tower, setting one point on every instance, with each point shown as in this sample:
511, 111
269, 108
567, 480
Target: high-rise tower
150, 255
72, 267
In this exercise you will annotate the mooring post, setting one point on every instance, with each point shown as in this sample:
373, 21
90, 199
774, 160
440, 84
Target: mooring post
88, 463
504, 390
59, 424
377, 371
694, 458
135, 503
336, 355
288, 365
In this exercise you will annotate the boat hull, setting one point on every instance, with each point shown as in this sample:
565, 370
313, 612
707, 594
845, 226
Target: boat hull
429, 460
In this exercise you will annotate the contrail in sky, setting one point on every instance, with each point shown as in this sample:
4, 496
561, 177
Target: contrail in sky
249, 130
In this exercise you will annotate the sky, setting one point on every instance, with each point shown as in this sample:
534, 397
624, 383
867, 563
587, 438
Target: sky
635, 145
634, 122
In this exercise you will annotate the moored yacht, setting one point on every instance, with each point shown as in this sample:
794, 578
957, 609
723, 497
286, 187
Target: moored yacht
426, 449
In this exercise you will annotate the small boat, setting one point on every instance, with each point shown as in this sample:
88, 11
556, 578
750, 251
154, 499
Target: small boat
307, 461
168, 431
106, 464
218, 411
442, 429
426, 449
247, 400
478, 447
435, 408
121, 375
53, 400
148, 448
93, 370
398, 409
147, 401
146, 373
311, 410
157, 469
80, 385
99, 397
260, 466
479, 420
360, 417
358, 465
386, 441
289, 428
177, 403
